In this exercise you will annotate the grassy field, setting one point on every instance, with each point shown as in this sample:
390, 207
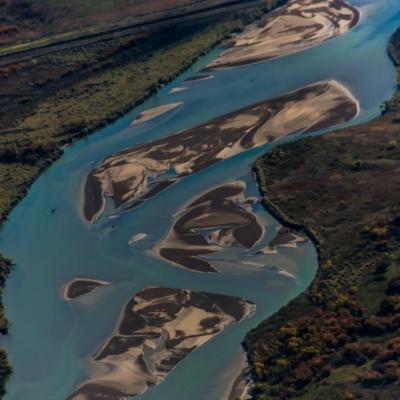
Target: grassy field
38, 22
29, 20
340, 339
48, 100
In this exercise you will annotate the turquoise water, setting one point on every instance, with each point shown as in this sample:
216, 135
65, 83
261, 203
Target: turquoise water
51, 340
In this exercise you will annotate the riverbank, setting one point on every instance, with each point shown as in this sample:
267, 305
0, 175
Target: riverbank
338, 340
53, 99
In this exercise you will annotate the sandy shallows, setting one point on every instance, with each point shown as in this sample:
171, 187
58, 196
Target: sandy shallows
286, 237
81, 286
158, 328
134, 175
216, 220
298, 25
155, 112
198, 78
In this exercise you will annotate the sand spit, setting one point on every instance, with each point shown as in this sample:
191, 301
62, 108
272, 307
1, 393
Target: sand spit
198, 78
216, 220
134, 175
242, 386
158, 328
298, 25
137, 238
287, 236
155, 112
178, 89
81, 286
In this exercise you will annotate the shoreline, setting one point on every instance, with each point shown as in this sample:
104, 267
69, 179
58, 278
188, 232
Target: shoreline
67, 287
242, 385
344, 290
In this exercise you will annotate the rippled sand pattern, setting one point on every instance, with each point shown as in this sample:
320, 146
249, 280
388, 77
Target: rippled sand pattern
298, 25
134, 175
159, 327
217, 220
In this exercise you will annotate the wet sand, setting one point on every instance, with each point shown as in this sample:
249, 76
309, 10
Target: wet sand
137, 238
178, 89
158, 328
241, 382
134, 175
287, 236
298, 25
198, 78
80, 286
216, 220
148, 115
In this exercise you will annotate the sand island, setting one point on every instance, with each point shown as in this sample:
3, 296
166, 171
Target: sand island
197, 78
133, 175
148, 115
158, 328
80, 286
218, 219
298, 25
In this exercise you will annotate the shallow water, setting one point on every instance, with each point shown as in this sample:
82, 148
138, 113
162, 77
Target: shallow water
51, 340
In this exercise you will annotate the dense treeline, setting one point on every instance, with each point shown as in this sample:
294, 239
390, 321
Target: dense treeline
5, 368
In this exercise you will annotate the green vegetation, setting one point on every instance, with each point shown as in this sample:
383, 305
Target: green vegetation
339, 339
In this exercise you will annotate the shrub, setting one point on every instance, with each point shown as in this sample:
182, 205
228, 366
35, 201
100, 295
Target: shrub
302, 375
390, 305
373, 326
379, 232
394, 286
309, 352
371, 378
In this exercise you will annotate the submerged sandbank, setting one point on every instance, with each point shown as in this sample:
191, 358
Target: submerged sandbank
80, 286
148, 115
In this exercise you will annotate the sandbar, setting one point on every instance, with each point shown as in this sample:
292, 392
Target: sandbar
80, 286
136, 174
155, 112
158, 328
298, 25
216, 220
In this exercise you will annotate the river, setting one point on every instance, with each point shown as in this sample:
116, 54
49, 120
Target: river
51, 340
